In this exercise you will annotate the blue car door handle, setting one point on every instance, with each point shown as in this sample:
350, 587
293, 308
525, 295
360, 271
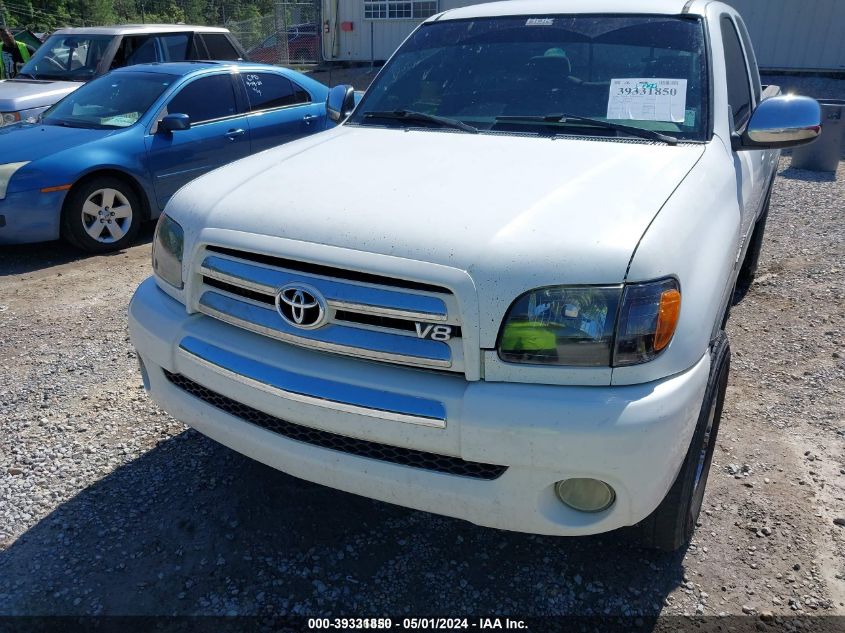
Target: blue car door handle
233, 134
309, 117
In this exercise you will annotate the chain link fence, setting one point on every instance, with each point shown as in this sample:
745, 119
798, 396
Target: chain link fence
290, 36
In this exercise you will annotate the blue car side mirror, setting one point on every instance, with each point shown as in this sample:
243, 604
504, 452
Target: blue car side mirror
340, 102
175, 122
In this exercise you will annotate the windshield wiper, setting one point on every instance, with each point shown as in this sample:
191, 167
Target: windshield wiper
412, 115
66, 123
563, 118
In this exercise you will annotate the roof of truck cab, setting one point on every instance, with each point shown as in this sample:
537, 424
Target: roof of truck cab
134, 29
551, 7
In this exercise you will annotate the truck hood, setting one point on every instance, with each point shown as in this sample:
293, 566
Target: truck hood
514, 212
24, 94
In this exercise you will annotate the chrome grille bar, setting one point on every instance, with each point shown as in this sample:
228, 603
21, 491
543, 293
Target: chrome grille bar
339, 295
333, 337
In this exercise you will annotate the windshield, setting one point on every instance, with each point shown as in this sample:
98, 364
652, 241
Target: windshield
67, 57
114, 101
643, 72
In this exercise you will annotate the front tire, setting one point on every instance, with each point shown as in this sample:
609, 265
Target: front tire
102, 215
672, 524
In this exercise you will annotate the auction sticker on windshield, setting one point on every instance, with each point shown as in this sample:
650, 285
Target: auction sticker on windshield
647, 99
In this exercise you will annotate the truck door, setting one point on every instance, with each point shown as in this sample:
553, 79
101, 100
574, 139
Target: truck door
752, 166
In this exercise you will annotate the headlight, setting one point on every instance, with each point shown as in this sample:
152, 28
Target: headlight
168, 245
7, 118
561, 326
6, 172
578, 325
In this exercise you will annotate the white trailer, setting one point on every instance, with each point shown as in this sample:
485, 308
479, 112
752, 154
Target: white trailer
365, 30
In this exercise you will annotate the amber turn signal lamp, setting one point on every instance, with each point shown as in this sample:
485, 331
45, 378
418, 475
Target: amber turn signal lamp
667, 318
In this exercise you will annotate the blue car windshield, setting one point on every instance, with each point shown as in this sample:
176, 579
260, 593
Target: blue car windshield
117, 100
521, 74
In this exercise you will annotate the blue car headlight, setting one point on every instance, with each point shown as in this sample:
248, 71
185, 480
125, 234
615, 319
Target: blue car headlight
168, 245
6, 172
8, 118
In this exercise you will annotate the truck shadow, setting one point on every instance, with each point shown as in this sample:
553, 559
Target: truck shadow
191, 527
26, 258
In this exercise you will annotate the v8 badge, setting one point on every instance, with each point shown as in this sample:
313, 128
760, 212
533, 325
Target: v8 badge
433, 332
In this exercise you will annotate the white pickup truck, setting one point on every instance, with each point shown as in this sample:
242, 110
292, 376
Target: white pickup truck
497, 290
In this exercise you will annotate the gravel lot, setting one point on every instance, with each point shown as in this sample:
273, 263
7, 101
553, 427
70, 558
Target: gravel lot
109, 506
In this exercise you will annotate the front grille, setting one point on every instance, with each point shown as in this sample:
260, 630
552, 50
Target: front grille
366, 315
342, 443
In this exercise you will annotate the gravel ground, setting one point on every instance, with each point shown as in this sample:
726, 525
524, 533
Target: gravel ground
109, 506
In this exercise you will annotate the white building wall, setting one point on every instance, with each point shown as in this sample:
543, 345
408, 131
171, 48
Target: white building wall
787, 34
386, 35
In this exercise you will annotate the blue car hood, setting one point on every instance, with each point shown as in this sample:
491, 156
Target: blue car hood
28, 142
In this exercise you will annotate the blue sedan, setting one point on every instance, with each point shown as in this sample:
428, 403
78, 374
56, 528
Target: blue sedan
111, 154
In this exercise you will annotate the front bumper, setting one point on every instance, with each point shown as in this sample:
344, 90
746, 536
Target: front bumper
633, 437
31, 216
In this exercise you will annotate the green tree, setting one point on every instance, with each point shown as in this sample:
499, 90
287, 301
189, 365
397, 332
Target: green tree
96, 12
47, 15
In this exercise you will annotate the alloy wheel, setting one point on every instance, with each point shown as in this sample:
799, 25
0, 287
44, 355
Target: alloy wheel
106, 215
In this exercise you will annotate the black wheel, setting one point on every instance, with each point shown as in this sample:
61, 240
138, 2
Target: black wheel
101, 215
755, 247
671, 525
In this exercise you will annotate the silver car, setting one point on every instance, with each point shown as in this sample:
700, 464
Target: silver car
71, 57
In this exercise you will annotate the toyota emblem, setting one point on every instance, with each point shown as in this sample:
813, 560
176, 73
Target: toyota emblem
301, 306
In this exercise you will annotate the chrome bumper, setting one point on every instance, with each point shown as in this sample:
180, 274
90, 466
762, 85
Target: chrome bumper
313, 390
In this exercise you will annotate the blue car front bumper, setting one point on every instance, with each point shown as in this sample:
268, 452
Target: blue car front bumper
30, 216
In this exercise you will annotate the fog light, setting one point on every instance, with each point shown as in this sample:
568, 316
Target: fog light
586, 495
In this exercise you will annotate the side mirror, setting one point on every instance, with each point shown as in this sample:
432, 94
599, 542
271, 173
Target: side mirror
174, 123
780, 122
340, 102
